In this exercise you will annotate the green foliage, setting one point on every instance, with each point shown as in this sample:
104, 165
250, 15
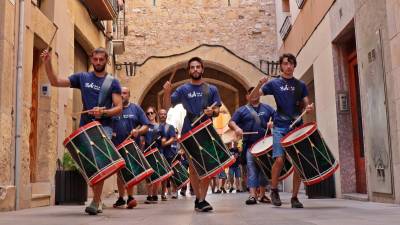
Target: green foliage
68, 162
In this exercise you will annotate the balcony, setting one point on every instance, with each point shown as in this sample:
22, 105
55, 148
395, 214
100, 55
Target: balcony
300, 3
102, 9
120, 30
286, 27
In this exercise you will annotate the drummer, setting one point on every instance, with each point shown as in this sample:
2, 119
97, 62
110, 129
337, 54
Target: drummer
151, 140
90, 84
253, 117
127, 125
197, 97
168, 137
291, 97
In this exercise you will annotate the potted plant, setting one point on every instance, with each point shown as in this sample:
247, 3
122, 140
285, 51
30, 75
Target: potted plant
71, 187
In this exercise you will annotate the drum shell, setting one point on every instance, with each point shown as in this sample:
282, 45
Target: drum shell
93, 152
159, 164
265, 161
206, 152
136, 166
181, 175
310, 155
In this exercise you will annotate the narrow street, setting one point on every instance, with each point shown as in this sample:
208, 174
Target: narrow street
229, 209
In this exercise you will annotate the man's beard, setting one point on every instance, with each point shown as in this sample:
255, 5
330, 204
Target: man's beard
196, 78
99, 69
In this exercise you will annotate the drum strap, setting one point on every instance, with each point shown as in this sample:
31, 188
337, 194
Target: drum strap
254, 114
105, 91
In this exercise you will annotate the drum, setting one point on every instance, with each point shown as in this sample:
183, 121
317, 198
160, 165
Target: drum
181, 176
310, 154
157, 161
206, 151
93, 152
136, 166
262, 152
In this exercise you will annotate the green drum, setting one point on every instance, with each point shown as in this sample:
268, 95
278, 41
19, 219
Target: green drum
93, 152
206, 152
262, 152
136, 166
181, 176
157, 161
310, 154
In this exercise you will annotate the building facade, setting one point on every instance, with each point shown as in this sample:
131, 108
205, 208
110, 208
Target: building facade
35, 117
346, 52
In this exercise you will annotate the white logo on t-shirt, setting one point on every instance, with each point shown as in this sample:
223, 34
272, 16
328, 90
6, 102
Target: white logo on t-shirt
194, 94
287, 88
92, 86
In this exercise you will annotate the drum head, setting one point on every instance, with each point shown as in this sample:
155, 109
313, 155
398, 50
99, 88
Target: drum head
298, 134
262, 146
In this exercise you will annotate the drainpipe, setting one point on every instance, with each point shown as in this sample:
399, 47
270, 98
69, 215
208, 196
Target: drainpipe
18, 100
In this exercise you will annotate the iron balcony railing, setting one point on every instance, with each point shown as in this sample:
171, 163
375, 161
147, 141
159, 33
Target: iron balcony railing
286, 27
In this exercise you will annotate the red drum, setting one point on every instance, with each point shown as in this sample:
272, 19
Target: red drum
262, 152
137, 168
310, 154
206, 151
93, 152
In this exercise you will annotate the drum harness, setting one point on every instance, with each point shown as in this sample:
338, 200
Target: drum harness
206, 93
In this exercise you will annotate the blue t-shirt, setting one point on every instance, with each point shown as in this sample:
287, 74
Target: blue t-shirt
246, 121
284, 91
235, 152
167, 132
131, 116
191, 97
152, 134
90, 86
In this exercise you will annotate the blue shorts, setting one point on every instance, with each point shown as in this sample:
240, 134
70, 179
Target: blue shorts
255, 177
278, 133
234, 171
222, 175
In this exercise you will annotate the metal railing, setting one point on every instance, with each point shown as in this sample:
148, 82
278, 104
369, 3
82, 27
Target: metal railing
300, 3
286, 27
119, 22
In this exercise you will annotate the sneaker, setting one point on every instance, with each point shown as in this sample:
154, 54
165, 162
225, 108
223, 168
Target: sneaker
218, 192
154, 199
131, 203
251, 201
265, 199
239, 191
183, 193
149, 200
174, 195
276, 200
119, 203
203, 206
163, 198
231, 190
92, 208
223, 190
196, 204
209, 206
296, 203
100, 208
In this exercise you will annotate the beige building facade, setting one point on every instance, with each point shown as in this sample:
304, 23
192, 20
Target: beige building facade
347, 55
35, 117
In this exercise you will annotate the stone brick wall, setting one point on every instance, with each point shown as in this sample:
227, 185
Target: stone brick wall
246, 27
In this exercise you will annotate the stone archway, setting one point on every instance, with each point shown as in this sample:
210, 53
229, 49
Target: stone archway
230, 73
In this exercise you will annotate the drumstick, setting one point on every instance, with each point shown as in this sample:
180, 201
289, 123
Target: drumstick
266, 132
52, 38
201, 116
129, 136
173, 74
298, 118
250, 132
83, 112
152, 144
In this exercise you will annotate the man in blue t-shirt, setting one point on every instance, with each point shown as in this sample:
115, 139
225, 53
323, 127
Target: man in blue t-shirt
192, 96
168, 137
90, 84
253, 117
132, 122
291, 97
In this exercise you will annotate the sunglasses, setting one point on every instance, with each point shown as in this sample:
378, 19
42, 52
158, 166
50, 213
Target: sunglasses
150, 113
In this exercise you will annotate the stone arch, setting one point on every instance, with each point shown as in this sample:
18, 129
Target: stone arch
222, 68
